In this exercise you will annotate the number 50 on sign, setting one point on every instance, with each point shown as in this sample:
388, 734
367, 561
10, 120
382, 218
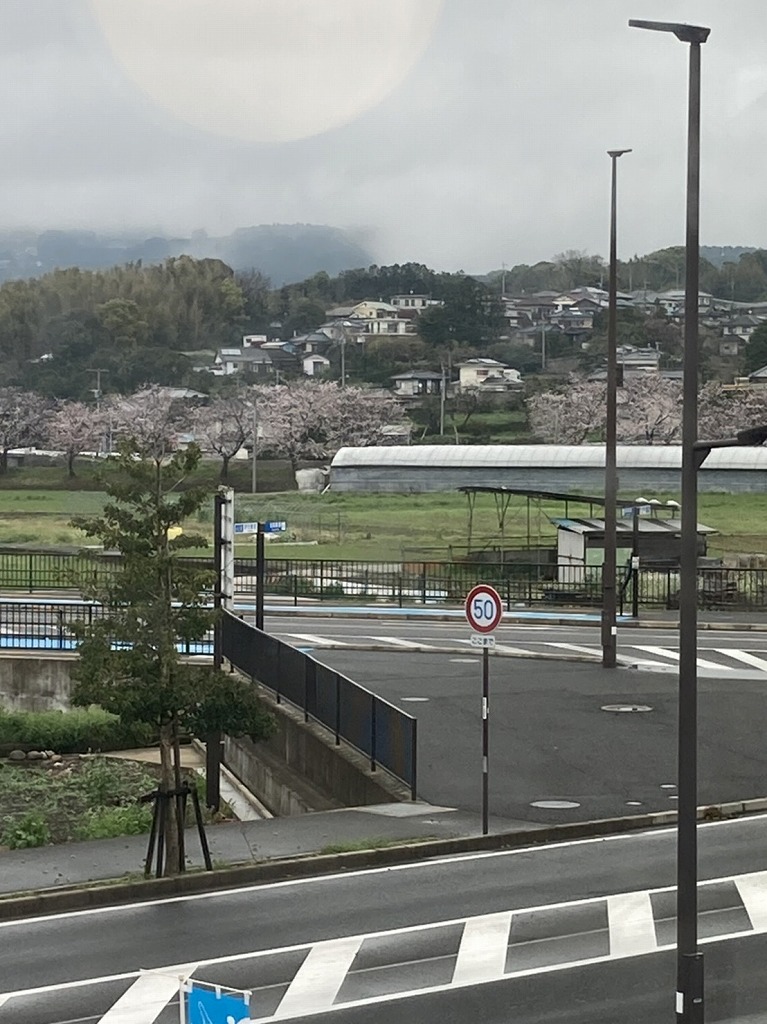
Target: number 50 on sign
484, 608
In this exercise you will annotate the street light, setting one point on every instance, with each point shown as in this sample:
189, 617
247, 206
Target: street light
689, 987
609, 568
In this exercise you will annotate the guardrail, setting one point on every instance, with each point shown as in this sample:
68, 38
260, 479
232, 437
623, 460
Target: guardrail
370, 724
48, 626
403, 583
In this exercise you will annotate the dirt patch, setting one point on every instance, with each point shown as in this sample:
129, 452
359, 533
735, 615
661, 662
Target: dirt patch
78, 796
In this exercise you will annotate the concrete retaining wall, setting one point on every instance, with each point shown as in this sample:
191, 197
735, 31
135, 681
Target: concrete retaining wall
35, 682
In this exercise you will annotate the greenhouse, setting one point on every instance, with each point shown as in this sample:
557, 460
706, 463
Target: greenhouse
653, 468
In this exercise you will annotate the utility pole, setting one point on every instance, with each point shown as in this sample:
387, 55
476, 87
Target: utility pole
442, 388
255, 441
98, 370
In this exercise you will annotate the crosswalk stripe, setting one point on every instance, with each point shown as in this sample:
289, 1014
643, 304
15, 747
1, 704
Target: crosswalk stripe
147, 997
662, 652
753, 891
483, 949
744, 656
504, 648
316, 641
319, 977
575, 647
631, 924
408, 644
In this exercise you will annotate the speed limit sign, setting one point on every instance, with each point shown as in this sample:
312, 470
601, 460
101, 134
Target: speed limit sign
484, 608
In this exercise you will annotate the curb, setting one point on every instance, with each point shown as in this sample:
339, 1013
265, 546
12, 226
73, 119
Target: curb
98, 895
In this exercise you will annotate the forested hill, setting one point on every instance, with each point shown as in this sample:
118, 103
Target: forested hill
282, 252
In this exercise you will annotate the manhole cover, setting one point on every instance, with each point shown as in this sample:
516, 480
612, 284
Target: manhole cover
626, 708
555, 805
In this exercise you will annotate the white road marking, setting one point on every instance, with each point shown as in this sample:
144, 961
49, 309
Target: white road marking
744, 656
482, 953
593, 651
319, 977
147, 997
316, 641
631, 924
662, 652
499, 647
408, 644
531, 850
753, 891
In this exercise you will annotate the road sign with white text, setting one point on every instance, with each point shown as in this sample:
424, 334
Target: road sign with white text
246, 527
484, 608
274, 527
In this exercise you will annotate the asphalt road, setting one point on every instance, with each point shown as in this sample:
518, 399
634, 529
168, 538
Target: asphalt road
551, 740
576, 932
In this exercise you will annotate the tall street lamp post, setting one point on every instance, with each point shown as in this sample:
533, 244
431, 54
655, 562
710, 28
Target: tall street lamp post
689, 988
609, 568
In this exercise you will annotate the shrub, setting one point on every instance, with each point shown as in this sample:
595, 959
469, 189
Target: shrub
31, 830
71, 732
110, 822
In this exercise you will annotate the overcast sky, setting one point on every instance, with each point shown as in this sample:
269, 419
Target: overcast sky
458, 133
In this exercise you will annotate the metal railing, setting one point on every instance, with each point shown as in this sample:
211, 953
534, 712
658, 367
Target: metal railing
48, 626
403, 583
370, 724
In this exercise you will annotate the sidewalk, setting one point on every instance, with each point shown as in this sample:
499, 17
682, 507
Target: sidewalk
243, 842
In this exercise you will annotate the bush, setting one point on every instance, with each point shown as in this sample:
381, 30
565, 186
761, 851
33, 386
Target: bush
110, 822
71, 732
31, 830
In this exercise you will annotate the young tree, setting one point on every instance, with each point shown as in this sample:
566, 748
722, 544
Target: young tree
129, 662
74, 427
21, 414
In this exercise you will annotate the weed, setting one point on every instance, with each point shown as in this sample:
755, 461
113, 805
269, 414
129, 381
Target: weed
25, 832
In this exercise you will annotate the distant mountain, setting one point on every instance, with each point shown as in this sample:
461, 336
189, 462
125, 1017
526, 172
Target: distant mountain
721, 254
283, 252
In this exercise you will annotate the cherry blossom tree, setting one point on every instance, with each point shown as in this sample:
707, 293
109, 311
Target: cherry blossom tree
73, 427
649, 410
224, 425
151, 419
313, 419
723, 410
571, 416
21, 416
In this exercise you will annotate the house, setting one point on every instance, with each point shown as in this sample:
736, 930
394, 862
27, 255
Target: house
413, 302
417, 383
487, 374
743, 325
631, 361
247, 359
313, 364
758, 377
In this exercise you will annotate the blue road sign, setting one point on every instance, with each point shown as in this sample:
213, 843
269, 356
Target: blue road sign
246, 527
274, 527
205, 1006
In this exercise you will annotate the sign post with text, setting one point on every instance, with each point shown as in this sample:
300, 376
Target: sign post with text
484, 610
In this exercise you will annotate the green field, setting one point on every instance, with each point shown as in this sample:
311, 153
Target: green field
373, 527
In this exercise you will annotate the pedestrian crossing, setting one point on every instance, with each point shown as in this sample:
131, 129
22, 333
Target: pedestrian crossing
726, 661
291, 982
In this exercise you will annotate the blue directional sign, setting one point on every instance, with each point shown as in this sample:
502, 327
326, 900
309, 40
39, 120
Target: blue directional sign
208, 1006
274, 527
246, 527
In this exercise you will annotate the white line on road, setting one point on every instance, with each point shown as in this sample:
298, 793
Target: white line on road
631, 924
147, 997
316, 641
593, 651
504, 648
482, 953
744, 656
753, 891
412, 645
319, 977
662, 652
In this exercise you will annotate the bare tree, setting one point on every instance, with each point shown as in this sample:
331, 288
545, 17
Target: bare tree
74, 428
21, 415
223, 426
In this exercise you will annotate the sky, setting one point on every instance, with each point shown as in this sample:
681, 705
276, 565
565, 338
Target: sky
457, 133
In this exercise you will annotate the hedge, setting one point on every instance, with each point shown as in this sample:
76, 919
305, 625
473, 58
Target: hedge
71, 732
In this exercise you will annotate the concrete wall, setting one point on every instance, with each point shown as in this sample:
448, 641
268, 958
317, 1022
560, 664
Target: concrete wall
300, 769
35, 682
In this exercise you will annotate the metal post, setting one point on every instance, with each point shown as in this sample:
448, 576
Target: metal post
485, 736
635, 562
609, 563
213, 739
690, 1008
260, 577
253, 459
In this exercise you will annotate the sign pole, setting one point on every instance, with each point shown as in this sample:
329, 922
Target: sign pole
260, 577
485, 736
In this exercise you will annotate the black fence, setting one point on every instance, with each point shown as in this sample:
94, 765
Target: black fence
383, 733
48, 626
404, 583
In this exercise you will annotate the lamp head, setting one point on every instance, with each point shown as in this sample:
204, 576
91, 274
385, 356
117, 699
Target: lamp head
613, 153
686, 33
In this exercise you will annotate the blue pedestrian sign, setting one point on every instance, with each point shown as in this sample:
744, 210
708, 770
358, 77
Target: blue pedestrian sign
274, 527
212, 1006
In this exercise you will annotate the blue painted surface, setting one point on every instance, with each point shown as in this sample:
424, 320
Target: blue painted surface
56, 643
204, 1006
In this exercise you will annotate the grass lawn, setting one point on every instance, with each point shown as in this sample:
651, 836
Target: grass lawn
374, 527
